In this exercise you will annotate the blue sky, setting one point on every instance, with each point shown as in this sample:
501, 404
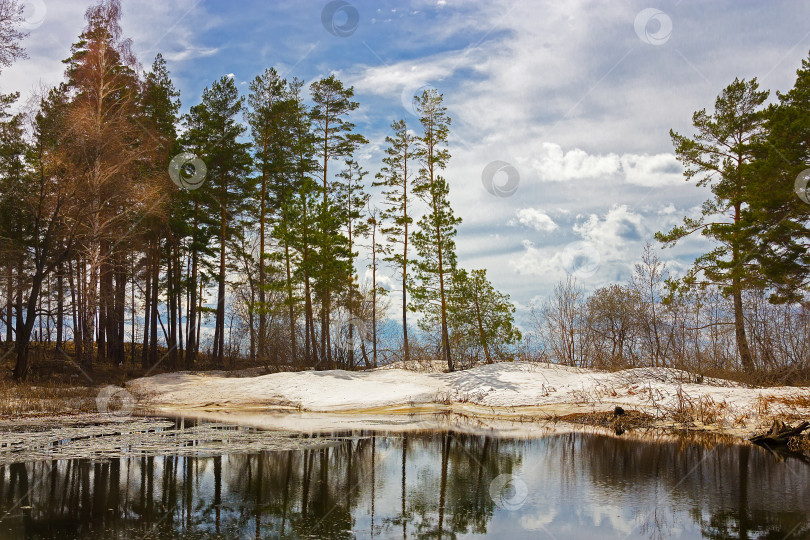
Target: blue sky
577, 97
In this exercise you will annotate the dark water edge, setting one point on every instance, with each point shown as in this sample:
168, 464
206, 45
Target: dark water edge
418, 485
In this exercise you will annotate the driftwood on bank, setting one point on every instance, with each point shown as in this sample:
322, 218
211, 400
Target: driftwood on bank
779, 434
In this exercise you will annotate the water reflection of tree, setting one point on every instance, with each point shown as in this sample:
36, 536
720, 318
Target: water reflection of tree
441, 480
739, 505
312, 492
468, 465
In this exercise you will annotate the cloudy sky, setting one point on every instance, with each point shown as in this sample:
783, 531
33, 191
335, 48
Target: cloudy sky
561, 156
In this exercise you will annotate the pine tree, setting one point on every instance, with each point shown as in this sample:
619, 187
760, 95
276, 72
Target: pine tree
267, 115
776, 216
290, 155
350, 202
334, 139
160, 105
435, 240
301, 230
395, 178
214, 133
480, 314
719, 155
15, 223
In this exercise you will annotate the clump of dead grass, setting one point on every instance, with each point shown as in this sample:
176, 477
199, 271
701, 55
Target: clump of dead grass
686, 409
21, 399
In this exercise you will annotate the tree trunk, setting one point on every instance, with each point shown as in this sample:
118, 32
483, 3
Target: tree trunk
406, 345
153, 318
89, 287
171, 291
290, 299
445, 333
739, 329
60, 305
779, 434
105, 299
147, 309
74, 300
26, 325
374, 292
262, 299
219, 331
192, 339
10, 302
120, 308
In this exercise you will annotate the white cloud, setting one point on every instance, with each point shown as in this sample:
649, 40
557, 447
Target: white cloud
534, 218
555, 164
618, 227
191, 53
535, 261
652, 171
667, 210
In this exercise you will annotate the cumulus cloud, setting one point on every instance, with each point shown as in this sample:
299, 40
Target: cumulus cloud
619, 226
607, 244
652, 171
555, 164
536, 261
534, 218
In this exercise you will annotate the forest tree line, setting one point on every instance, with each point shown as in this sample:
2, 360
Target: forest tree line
122, 222
118, 216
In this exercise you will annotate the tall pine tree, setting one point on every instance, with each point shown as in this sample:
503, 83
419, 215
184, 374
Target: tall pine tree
719, 156
334, 138
435, 240
396, 178
214, 134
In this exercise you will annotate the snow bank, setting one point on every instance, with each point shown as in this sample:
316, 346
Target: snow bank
498, 389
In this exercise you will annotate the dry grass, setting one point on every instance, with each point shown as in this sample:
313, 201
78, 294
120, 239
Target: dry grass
791, 407
795, 400
688, 409
21, 399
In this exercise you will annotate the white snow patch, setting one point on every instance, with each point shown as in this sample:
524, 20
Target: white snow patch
497, 389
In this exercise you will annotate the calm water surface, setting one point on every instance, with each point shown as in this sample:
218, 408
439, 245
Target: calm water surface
419, 485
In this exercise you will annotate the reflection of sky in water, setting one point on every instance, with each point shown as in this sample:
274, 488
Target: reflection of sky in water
579, 486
